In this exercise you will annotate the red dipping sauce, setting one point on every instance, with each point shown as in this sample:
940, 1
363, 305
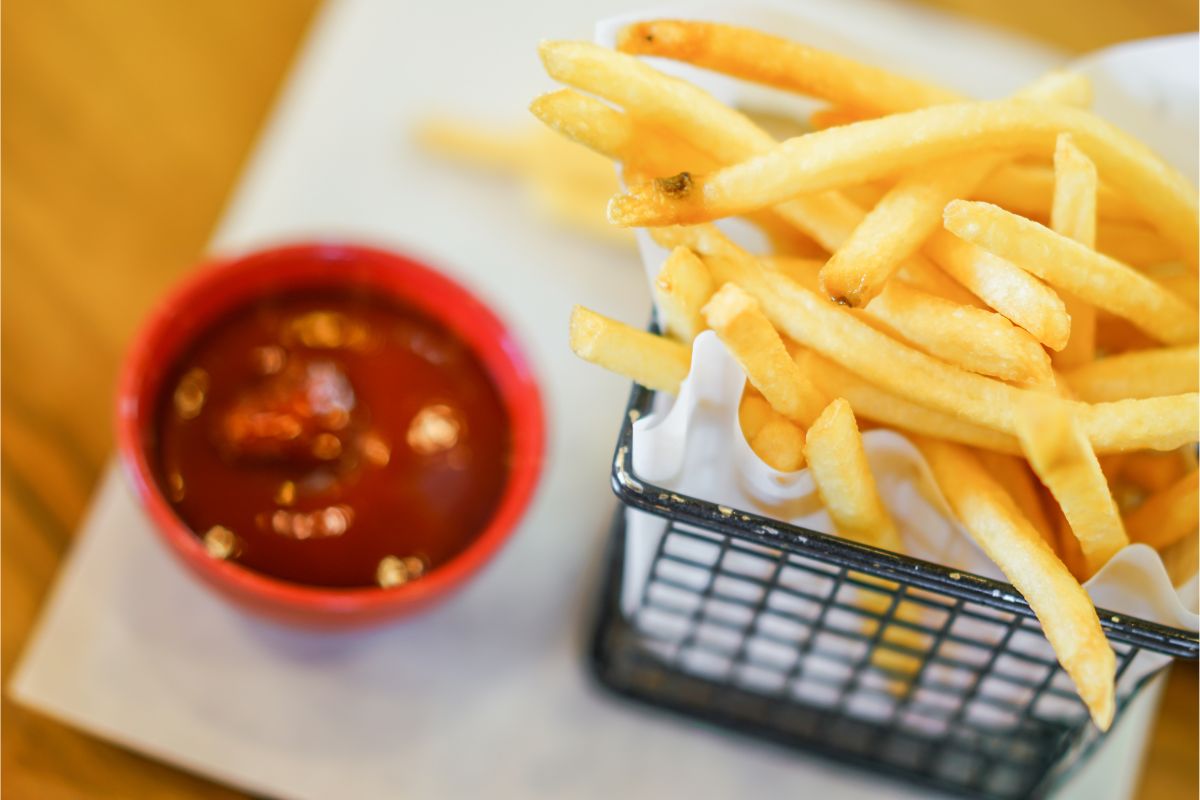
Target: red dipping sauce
332, 438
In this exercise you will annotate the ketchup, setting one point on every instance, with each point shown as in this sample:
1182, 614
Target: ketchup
332, 438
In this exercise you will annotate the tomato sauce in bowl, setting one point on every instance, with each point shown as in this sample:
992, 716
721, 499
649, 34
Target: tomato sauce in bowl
327, 434
332, 438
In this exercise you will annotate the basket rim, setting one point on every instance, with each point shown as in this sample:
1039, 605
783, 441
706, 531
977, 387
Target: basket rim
643, 495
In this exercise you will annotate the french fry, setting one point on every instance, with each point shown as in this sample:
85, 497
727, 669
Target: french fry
866, 151
779, 443
898, 225
977, 340
653, 96
653, 361
681, 289
1153, 423
1153, 472
1073, 215
1140, 373
1181, 559
1060, 454
1161, 423
647, 150
642, 148
872, 403
1014, 477
839, 468
1168, 515
1184, 285
692, 116
753, 412
912, 209
745, 330
1028, 190
1092, 277
1116, 335
762, 58
866, 195
1066, 612
1134, 244
574, 207
567, 184
974, 339
834, 116
682, 110
1004, 287
921, 273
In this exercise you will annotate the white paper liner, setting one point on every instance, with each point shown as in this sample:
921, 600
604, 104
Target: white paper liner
694, 444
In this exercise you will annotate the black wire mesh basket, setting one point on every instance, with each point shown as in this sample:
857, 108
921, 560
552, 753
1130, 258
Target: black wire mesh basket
935, 676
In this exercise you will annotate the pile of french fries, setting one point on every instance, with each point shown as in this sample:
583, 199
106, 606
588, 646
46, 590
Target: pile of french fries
1011, 284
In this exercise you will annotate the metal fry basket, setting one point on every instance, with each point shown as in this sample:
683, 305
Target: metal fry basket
935, 676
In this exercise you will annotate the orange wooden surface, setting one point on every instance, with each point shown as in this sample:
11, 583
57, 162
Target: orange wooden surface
124, 126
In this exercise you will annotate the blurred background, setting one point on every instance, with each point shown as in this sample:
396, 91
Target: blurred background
125, 126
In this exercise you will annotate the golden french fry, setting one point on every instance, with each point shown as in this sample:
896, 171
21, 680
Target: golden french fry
1134, 244
866, 195
871, 402
1160, 423
1140, 373
1116, 335
1168, 515
642, 148
920, 272
753, 412
567, 184
574, 207
654, 97
762, 58
745, 330
1014, 477
680, 109
972, 338
1152, 423
1153, 472
690, 115
647, 150
1004, 287
681, 289
912, 209
1060, 454
653, 361
839, 468
1028, 190
1062, 606
774, 438
1073, 215
865, 151
1092, 277
1184, 285
834, 116
898, 225
1182, 559
803, 271
779, 443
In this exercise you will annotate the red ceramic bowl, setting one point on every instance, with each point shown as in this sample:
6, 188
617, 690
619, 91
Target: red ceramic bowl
216, 289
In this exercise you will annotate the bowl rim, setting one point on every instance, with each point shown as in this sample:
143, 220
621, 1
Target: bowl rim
145, 365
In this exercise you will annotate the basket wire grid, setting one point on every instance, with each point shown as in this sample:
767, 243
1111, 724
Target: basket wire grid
936, 676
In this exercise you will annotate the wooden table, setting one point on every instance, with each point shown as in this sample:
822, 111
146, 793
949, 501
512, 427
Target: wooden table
125, 124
